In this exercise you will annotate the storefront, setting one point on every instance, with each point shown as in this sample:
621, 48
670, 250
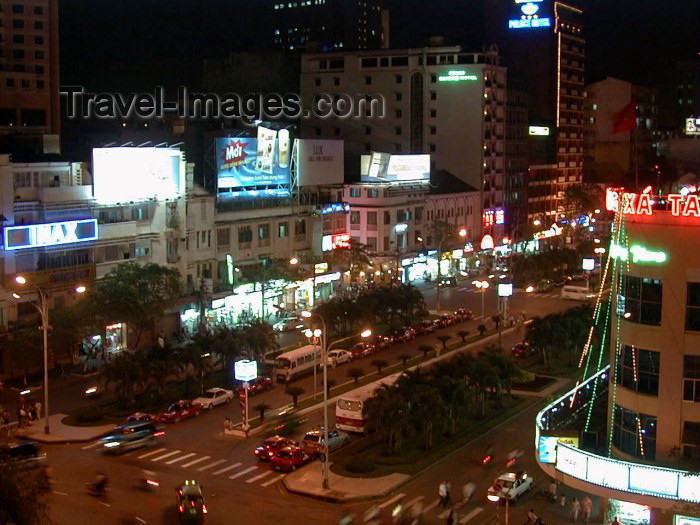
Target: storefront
106, 345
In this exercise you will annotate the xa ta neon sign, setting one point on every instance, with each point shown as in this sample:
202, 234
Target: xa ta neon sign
642, 203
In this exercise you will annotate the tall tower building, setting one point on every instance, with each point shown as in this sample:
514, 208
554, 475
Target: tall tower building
29, 74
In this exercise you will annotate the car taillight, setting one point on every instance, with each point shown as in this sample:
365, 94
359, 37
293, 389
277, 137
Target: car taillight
204, 509
159, 434
270, 453
180, 508
153, 482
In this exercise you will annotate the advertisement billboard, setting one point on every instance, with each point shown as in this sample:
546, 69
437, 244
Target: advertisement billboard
331, 242
383, 167
320, 162
692, 126
253, 167
136, 174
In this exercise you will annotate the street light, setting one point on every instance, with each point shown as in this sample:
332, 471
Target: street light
462, 232
600, 251
44, 313
294, 261
483, 286
537, 222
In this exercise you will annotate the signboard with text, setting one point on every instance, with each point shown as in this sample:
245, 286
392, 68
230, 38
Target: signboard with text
383, 167
320, 162
50, 234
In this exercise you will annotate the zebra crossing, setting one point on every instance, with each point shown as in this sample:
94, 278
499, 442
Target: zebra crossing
260, 474
464, 515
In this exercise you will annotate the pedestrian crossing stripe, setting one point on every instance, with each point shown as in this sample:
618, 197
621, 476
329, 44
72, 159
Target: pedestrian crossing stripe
190, 463
242, 472
392, 500
165, 456
469, 516
207, 467
272, 481
259, 476
152, 453
176, 460
230, 467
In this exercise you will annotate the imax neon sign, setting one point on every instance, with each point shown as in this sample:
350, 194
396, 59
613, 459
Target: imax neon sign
50, 234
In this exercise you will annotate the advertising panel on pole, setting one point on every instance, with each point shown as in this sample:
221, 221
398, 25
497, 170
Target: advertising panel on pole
137, 174
320, 162
383, 167
245, 370
243, 169
588, 264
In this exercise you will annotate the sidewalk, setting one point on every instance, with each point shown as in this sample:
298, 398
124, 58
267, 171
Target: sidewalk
61, 433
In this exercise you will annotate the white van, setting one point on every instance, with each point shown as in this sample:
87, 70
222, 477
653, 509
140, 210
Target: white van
290, 365
577, 293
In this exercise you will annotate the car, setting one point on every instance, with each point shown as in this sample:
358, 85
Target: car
561, 281
362, 350
179, 411
214, 397
289, 458
463, 314
544, 286
510, 486
522, 350
446, 320
448, 280
189, 499
24, 455
338, 357
403, 334
271, 445
381, 342
130, 436
256, 386
290, 323
425, 327
140, 416
313, 442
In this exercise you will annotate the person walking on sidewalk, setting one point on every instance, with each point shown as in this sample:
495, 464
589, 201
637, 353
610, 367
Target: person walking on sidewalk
553, 490
37, 407
587, 506
442, 492
575, 508
448, 493
468, 491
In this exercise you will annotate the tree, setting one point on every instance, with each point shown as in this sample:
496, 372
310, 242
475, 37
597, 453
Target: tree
463, 334
22, 496
379, 364
582, 199
410, 302
295, 392
355, 256
484, 378
355, 374
443, 339
426, 349
127, 372
134, 293
23, 345
195, 363
261, 408
455, 396
387, 413
427, 412
482, 329
161, 367
404, 358
258, 339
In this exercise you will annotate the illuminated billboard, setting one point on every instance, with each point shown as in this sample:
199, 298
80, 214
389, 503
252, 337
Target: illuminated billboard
253, 167
320, 162
383, 167
692, 126
331, 242
457, 75
50, 234
530, 15
135, 174
538, 131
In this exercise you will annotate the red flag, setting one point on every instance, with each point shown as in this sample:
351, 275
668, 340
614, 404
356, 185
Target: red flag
626, 118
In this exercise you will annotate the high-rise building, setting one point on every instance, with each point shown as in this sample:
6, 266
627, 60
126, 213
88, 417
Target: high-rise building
29, 75
516, 175
442, 101
327, 25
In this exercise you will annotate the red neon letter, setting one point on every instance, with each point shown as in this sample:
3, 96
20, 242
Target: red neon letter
675, 200
628, 203
644, 204
692, 206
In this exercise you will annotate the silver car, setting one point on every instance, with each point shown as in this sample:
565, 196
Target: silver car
338, 357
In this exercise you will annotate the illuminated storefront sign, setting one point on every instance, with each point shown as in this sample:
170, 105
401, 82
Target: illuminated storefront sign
468, 248
51, 234
493, 216
588, 264
331, 242
685, 520
640, 254
245, 370
320, 268
487, 242
547, 447
229, 268
456, 76
505, 289
529, 15
538, 131
335, 207
546, 234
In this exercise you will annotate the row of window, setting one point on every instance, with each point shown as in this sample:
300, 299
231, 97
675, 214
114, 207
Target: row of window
19, 24
245, 233
640, 299
19, 54
25, 83
18, 9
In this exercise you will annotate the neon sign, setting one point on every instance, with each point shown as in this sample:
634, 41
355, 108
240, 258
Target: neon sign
639, 253
540, 131
331, 242
335, 207
458, 75
687, 205
529, 16
487, 242
50, 234
546, 234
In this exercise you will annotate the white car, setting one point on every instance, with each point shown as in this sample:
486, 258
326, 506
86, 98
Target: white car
213, 397
338, 357
509, 486
290, 323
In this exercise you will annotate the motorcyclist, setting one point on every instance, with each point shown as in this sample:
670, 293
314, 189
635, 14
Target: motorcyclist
101, 482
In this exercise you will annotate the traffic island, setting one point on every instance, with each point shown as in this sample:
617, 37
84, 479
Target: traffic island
61, 432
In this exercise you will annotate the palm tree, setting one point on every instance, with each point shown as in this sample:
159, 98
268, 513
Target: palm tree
22, 496
295, 392
355, 256
463, 334
261, 408
387, 413
126, 371
355, 374
404, 358
482, 329
505, 367
195, 363
161, 368
484, 378
426, 349
455, 397
259, 339
427, 412
443, 339
379, 364
411, 302
223, 341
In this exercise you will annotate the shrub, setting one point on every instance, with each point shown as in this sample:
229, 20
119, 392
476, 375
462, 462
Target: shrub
88, 414
359, 465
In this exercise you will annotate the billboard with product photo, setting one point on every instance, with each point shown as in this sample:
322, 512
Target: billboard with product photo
136, 174
320, 162
253, 167
383, 167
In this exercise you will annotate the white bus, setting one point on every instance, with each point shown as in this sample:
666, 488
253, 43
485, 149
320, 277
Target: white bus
290, 365
577, 293
349, 407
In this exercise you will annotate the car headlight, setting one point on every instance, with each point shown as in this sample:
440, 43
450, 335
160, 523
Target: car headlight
111, 444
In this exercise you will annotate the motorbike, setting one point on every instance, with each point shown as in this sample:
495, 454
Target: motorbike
149, 483
487, 459
98, 490
513, 457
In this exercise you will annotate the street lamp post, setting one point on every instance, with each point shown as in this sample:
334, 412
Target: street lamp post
44, 313
483, 286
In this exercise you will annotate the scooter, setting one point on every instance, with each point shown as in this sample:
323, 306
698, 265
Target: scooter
149, 484
97, 490
513, 457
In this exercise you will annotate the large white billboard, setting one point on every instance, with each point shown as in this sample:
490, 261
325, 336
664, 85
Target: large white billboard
320, 162
123, 175
383, 167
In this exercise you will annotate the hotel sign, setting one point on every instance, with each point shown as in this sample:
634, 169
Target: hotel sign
642, 203
529, 11
50, 234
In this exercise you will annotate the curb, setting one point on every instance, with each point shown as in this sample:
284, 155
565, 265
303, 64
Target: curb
63, 441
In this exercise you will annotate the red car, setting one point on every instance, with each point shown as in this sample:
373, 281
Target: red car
289, 458
522, 350
425, 327
271, 446
463, 314
179, 411
140, 416
381, 342
362, 350
261, 384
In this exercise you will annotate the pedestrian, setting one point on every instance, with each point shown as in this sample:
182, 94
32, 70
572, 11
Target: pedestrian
553, 490
448, 493
587, 505
32, 412
531, 517
37, 407
442, 492
468, 491
6, 417
451, 518
575, 508
562, 501
20, 417
615, 522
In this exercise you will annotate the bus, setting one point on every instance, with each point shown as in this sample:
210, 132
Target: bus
349, 407
290, 365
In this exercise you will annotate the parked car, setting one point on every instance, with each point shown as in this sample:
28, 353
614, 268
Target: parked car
179, 411
544, 286
338, 357
130, 436
289, 458
214, 397
362, 350
313, 442
446, 320
448, 280
522, 350
561, 281
140, 416
189, 499
381, 342
403, 334
426, 327
256, 386
271, 445
290, 323
463, 314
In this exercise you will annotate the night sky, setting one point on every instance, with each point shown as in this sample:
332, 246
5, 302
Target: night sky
136, 44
